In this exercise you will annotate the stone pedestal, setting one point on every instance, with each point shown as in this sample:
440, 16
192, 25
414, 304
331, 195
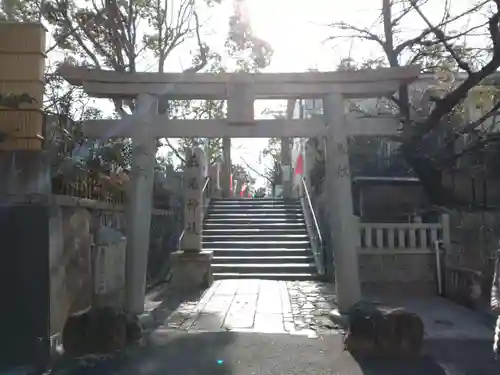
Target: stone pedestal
191, 270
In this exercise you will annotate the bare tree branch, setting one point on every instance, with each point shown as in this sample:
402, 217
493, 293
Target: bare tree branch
471, 126
175, 151
203, 49
255, 171
452, 99
442, 38
363, 33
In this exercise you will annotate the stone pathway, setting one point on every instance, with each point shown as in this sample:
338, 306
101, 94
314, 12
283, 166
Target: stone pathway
311, 302
262, 306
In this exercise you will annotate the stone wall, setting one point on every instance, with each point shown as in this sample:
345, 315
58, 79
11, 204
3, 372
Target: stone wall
470, 257
70, 255
398, 274
74, 223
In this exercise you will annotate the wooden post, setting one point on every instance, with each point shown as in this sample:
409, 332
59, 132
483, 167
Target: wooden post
344, 225
140, 205
193, 209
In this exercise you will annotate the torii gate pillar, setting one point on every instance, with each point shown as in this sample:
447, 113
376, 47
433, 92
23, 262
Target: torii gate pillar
344, 225
140, 205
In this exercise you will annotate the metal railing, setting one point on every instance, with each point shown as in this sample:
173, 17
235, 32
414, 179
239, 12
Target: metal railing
313, 229
205, 196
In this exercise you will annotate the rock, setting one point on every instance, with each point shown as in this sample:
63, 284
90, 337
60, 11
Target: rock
361, 334
99, 331
394, 333
401, 333
75, 335
134, 330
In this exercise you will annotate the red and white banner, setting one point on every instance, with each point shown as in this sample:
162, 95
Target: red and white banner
243, 188
299, 165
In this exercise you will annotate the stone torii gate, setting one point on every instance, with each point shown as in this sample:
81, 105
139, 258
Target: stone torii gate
241, 90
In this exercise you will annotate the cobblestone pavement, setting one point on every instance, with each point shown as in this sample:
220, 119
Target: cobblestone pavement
262, 306
311, 303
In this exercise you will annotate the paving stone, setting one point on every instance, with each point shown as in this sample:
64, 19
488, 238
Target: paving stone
269, 323
269, 303
245, 320
248, 287
258, 306
218, 304
227, 287
186, 325
208, 322
311, 302
324, 305
241, 312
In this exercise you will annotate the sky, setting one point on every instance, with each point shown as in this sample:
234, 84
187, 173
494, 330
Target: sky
296, 30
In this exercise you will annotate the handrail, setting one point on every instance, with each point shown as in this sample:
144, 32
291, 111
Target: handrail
309, 204
203, 192
315, 232
205, 186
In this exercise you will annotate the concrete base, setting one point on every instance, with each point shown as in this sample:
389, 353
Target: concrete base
191, 270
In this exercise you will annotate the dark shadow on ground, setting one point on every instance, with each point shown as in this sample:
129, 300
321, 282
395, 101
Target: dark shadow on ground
473, 357
169, 352
164, 353
170, 301
425, 365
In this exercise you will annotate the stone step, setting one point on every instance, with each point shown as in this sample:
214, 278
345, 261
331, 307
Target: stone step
263, 259
277, 210
256, 224
267, 276
259, 252
254, 220
244, 230
254, 244
254, 237
244, 214
264, 267
266, 199
254, 204
256, 210
258, 238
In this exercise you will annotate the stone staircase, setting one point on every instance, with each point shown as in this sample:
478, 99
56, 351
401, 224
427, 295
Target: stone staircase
258, 238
